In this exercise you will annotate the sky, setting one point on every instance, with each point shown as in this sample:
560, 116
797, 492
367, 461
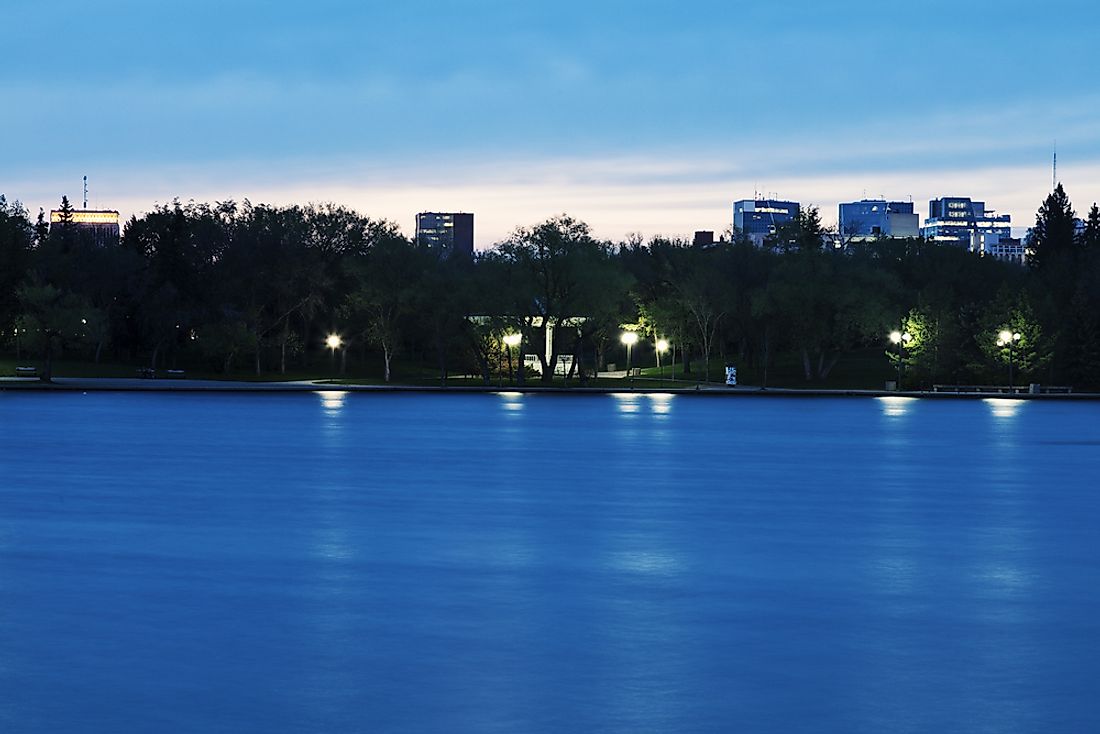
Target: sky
637, 117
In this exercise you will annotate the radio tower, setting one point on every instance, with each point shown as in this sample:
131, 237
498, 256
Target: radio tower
1054, 176
85, 192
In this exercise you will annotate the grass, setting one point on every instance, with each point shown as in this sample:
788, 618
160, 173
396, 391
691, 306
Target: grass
866, 369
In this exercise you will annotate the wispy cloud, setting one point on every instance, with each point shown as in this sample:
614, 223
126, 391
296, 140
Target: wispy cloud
659, 195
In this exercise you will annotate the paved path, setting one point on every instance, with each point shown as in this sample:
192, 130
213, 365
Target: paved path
175, 385
135, 383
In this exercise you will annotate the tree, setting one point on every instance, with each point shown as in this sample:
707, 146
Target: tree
556, 272
51, 319
920, 354
1012, 315
41, 228
701, 292
1052, 239
828, 305
16, 238
386, 287
1090, 238
804, 233
183, 275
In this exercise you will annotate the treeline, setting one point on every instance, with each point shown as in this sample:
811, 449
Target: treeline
229, 286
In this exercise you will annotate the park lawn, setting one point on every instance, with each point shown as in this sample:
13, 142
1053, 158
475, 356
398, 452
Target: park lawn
862, 369
68, 368
865, 369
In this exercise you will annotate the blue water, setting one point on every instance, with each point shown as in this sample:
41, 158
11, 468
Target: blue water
496, 563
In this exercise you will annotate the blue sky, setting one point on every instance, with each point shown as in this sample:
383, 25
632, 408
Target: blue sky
639, 116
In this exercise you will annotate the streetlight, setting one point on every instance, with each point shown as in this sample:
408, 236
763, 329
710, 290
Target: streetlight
662, 347
1009, 339
333, 342
511, 340
629, 338
901, 339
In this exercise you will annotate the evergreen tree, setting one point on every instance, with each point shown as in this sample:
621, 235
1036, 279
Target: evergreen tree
41, 229
1052, 238
65, 215
1090, 238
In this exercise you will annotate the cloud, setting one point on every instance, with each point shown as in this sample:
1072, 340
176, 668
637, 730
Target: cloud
666, 195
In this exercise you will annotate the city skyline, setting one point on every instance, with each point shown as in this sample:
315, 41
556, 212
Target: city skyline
634, 118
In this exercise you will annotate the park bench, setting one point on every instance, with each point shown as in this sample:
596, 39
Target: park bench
983, 389
1004, 389
26, 372
175, 374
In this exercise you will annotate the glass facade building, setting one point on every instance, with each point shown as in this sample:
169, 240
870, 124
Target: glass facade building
958, 220
100, 225
870, 219
758, 218
446, 233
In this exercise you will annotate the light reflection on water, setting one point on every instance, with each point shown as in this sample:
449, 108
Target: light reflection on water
895, 406
511, 401
332, 400
1004, 407
630, 404
354, 562
661, 403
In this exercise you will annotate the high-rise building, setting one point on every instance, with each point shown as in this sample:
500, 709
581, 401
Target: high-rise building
873, 218
990, 244
957, 219
758, 218
446, 233
100, 225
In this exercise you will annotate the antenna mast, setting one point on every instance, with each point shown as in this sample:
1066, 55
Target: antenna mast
85, 192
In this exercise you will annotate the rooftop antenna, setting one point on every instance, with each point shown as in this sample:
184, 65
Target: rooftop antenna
85, 192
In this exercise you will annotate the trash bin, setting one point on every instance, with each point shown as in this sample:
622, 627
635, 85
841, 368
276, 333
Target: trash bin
1034, 388
731, 375
891, 385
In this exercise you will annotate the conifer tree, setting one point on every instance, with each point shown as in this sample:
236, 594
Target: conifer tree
1090, 238
1052, 239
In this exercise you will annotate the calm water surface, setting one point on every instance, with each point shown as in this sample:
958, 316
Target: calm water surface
498, 563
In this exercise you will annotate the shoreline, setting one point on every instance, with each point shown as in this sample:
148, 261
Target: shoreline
107, 384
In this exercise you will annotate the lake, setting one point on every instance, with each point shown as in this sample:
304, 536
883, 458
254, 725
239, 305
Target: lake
547, 563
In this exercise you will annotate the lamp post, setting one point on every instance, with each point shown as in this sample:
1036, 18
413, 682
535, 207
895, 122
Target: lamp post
629, 338
1009, 339
333, 342
662, 347
901, 339
511, 340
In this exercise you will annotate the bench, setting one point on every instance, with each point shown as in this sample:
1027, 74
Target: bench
982, 389
1034, 389
26, 372
175, 374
